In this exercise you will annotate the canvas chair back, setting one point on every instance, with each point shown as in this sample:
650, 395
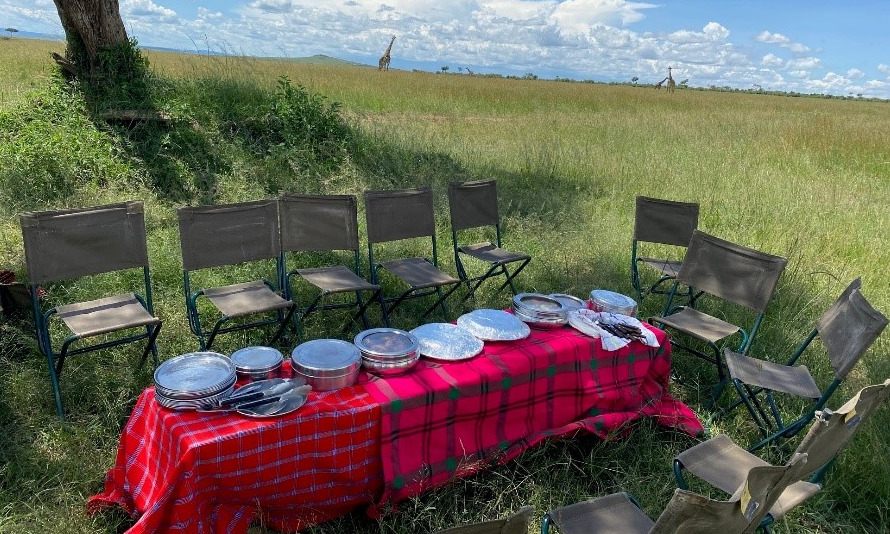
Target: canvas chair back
516, 523
399, 214
690, 513
318, 222
831, 431
665, 221
81, 242
473, 204
848, 328
738, 274
227, 234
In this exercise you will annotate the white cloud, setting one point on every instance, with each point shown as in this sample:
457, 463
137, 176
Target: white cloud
884, 68
771, 60
804, 63
773, 38
855, 74
146, 9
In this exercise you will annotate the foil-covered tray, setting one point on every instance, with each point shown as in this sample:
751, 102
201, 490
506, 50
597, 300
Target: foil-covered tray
494, 325
569, 302
447, 342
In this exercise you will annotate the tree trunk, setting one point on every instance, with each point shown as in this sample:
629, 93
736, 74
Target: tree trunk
90, 26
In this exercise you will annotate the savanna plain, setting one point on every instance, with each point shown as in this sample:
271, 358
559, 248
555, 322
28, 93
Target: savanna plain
800, 177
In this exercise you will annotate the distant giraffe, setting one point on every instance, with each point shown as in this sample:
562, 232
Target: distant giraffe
659, 84
384, 59
670, 79
469, 71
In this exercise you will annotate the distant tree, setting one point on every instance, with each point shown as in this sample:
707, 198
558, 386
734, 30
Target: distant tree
684, 83
445, 68
11, 31
530, 76
634, 80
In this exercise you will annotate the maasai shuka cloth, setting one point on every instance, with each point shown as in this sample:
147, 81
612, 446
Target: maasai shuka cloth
218, 473
446, 420
382, 440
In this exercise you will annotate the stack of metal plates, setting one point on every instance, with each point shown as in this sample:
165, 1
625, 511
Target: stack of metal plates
194, 381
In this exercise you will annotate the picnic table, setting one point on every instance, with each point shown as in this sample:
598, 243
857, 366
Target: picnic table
382, 441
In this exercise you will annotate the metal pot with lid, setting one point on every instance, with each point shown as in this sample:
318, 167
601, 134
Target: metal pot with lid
257, 363
327, 364
388, 351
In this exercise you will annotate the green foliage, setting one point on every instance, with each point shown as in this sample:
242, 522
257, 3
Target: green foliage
49, 150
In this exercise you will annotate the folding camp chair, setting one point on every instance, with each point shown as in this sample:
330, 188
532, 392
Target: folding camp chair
664, 222
401, 215
516, 523
847, 329
324, 223
77, 243
724, 465
475, 205
686, 513
224, 236
733, 274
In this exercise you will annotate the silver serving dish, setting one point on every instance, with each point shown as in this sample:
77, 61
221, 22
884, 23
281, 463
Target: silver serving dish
388, 351
602, 300
447, 342
570, 302
194, 376
257, 363
540, 311
540, 322
326, 364
494, 325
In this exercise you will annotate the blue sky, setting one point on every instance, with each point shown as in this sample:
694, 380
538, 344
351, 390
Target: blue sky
815, 46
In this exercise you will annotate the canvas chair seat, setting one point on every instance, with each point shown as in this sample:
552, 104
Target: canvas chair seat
665, 222
516, 523
725, 465
616, 512
474, 213
491, 253
687, 512
418, 273
105, 315
666, 267
236, 300
336, 279
847, 329
700, 325
791, 379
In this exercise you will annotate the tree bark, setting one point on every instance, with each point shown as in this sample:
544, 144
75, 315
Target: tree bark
90, 26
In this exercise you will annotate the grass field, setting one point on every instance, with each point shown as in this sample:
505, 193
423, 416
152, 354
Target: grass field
803, 178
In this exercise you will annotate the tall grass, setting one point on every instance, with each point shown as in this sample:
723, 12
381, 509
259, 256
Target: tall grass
808, 179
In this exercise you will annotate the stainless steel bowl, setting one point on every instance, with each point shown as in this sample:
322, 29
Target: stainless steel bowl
327, 364
393, 368
570, 302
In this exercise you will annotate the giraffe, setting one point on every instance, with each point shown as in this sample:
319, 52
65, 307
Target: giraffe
670, 79
384, 59
659, 84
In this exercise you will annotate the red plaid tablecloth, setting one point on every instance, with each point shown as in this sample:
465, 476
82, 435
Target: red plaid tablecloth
383, 440
451, 419
217, 473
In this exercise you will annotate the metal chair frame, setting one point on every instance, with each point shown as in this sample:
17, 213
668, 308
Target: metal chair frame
323, 223
666, 222
475, 205
386, 224
116, 243
254, 226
